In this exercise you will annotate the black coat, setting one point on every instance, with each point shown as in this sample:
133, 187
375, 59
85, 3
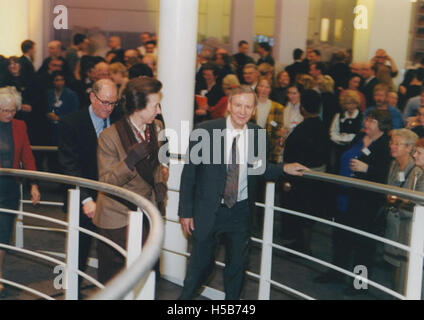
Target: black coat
78, 147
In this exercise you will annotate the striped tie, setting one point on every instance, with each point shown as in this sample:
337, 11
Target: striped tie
232, 179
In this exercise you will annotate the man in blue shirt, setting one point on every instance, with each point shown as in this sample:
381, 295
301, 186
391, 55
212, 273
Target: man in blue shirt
413, 105
380, 97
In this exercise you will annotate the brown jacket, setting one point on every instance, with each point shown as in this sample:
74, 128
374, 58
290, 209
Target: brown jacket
112, 213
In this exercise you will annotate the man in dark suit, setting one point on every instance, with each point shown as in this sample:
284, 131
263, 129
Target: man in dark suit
241, 58
216, 199
298, 66
27, 60
78, 151
369, 82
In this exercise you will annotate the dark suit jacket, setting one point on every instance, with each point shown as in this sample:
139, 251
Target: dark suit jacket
27, 69
202, 185
78, 148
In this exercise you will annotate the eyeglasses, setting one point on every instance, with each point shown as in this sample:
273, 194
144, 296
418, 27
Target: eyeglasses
397, 144
106, 103
8, 110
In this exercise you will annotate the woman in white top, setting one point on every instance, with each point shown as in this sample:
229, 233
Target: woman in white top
345, 126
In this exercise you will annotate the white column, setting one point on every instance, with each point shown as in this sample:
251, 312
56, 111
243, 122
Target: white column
290, 30
40, 27
177, 62
21, 20
242, 23
13, 26
388, 28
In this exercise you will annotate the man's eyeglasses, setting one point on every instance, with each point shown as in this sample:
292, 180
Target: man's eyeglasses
106, 103
8, 110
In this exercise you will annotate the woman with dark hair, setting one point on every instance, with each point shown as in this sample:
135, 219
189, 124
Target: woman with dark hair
368, 159
61, 101
15, 79
353, 83
127, 156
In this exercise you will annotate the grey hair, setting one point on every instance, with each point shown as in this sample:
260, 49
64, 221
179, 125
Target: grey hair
409, 136
10, 95
243, 89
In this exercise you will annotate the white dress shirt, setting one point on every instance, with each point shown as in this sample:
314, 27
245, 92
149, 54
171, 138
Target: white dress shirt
242, 146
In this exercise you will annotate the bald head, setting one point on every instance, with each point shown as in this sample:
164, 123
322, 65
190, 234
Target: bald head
115, 42
54, 49
102, 71
103, 98
366, 70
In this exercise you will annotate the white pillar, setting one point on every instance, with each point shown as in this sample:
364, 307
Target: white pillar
40, 27
13, 26
388, 28
242, 23
290, 29
177, 63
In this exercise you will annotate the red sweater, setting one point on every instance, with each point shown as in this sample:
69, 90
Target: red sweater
23, 153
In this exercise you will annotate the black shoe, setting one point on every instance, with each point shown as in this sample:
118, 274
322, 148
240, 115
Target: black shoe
329, 277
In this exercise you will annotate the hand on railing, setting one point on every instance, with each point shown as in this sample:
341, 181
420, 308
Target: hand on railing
294, 169
35, 194
89, 209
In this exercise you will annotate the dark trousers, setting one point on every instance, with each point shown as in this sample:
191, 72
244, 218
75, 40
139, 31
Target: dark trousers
234, 225
351, 250
110, 261
85, 242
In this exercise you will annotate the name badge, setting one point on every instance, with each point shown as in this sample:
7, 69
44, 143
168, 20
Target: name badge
366, 151
273, 123
401, 176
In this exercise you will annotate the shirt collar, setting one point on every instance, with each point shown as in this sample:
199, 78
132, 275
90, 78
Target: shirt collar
142, 129
234, 132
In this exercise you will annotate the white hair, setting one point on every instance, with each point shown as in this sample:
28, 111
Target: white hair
9, 95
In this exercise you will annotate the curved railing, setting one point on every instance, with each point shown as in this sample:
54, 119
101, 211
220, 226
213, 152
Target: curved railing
416, 248
139, 262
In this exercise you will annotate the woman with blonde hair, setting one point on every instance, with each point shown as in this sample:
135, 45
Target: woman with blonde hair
330, 104
344, 128
270, 116
119, 75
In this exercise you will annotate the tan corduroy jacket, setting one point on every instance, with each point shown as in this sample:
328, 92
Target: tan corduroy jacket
112, 213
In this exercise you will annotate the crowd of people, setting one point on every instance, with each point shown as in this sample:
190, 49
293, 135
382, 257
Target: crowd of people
343, 117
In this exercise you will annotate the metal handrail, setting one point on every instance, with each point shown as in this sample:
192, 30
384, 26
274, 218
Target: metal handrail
125, 281
415, 196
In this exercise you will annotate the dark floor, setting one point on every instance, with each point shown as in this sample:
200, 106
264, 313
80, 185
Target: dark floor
287, 269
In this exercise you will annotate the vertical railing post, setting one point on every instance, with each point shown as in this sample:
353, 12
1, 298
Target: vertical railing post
72, 245
19, 228
266, 256
146, 289
415, 268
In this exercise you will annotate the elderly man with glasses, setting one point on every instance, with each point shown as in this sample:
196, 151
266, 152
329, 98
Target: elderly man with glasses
77, 150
